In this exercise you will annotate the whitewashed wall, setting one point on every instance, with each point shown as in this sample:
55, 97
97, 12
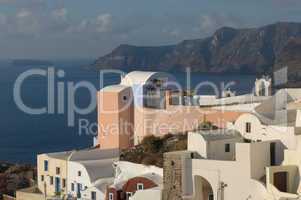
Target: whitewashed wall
73, 168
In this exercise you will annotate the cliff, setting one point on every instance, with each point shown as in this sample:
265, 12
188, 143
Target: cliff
244, 51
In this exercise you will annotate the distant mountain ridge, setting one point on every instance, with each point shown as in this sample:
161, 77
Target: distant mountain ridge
290, 56
246, 51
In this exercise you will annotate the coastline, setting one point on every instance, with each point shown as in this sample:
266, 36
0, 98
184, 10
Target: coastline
15, 176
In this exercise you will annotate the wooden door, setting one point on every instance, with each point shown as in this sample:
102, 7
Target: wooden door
280, 181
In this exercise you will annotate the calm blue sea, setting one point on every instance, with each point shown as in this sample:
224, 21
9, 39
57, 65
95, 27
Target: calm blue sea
23, 136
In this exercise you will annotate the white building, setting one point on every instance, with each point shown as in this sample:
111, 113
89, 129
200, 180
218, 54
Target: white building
273, 120
52, 173
83, 174
89, 172
148, 87
85, 178
127, 170
265, 165
236, 103
263, 86
250, 174
215, 145
246, 102
228, 93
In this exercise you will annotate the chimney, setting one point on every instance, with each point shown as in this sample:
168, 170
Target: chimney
168, 99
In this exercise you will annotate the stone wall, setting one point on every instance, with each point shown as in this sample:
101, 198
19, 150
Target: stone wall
173, 180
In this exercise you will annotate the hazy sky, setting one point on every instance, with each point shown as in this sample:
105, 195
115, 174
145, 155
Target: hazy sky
91, 28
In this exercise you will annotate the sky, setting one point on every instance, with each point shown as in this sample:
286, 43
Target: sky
68, 29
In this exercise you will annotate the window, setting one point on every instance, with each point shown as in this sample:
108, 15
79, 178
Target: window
58, 171
111, 196
79, 190
64, 182
227, 148
79, 173
72, 187
124, 98
46, 165
51, 180
93, 195
42, 178
210, 197
128, 195
273, 153
140, 186
248, 127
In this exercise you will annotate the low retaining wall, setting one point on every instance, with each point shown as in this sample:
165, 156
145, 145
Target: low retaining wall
29, 194
7, 197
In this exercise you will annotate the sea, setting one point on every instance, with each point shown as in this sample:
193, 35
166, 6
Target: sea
24, 135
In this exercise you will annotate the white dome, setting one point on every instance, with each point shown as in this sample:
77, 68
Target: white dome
142, 77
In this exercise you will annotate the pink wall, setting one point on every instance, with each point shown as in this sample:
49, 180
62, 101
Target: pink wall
115, 119
177, 119
121, 123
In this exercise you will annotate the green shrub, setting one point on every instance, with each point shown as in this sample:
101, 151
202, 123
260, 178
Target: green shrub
206, 125
152, 148
152, 144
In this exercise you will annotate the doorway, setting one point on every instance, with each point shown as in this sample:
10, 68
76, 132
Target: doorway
57, 185
202, 189
280, 181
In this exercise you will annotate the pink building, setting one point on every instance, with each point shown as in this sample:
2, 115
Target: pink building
148, 103
115, 117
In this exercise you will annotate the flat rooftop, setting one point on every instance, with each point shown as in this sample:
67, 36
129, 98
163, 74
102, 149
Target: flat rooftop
219, 134
114, 88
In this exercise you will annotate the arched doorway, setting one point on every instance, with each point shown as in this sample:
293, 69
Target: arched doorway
202, 189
